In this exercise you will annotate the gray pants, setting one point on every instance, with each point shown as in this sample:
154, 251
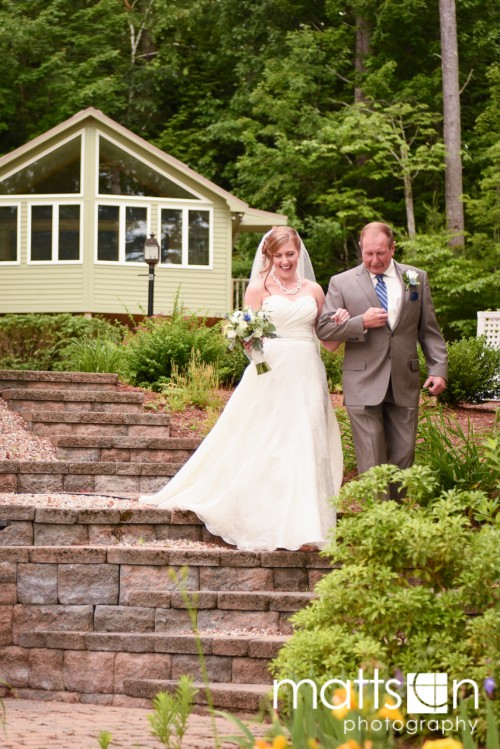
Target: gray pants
385, 433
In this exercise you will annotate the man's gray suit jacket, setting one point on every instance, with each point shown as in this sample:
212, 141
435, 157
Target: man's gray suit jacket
375, 356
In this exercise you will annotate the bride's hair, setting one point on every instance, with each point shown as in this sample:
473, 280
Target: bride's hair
274, 241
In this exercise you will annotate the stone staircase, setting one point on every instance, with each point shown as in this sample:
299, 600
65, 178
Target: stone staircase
92, 607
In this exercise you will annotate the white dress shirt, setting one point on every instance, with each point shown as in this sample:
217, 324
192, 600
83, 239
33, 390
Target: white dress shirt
394, 292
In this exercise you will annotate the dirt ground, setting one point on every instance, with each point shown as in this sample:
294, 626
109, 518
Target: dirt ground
195, 422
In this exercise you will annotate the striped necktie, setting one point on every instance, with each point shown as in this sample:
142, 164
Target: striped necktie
381, 291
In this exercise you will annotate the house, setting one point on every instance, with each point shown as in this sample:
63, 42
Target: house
76, 206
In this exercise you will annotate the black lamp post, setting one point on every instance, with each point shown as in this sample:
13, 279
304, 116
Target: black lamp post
151, 257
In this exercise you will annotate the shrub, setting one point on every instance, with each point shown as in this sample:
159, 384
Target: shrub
415, 591
159, 344
473, 372
38, 341
93, 355
458, 458
197, 387
333, 361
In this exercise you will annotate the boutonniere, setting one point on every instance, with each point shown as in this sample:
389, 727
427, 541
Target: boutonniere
410, 279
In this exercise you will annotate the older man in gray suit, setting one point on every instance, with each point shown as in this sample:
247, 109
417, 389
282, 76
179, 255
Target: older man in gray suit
390, 309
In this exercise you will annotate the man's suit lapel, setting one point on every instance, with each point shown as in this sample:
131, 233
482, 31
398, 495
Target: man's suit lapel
405, 296
366, 284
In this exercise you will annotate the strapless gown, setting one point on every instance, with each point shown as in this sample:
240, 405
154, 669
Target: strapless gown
263, 477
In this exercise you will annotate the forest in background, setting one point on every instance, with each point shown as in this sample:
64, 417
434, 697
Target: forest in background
327, 110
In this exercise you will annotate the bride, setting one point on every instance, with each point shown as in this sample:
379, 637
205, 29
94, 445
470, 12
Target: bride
263, 477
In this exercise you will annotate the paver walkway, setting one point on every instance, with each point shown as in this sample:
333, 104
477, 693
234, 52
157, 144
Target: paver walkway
33, 724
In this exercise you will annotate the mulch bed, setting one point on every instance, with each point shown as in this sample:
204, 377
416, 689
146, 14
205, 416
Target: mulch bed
191, 422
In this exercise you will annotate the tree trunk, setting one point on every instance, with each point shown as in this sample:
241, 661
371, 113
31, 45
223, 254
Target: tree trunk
362, 52
451, 121
408, 188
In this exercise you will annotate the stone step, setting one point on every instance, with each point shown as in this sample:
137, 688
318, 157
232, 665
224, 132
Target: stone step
88, 423
239, 697
26, 399
40, 380
68, 477
217, 611
125, 449
70, 619
100, 662
33, 523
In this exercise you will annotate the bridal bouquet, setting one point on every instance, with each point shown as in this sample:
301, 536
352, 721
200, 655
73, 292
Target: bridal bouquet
247, 326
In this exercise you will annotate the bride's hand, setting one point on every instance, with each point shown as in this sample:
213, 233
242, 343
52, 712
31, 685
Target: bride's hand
340, 316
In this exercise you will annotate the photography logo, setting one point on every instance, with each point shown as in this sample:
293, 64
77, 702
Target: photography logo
427, 693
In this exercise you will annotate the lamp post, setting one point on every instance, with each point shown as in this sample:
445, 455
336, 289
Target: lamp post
151, 257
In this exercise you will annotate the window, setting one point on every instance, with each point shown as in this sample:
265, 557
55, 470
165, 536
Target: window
121, 233
185, 237
9, 234
56, 172
55, 233
120, 173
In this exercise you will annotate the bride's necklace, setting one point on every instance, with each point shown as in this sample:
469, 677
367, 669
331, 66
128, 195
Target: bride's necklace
284, 288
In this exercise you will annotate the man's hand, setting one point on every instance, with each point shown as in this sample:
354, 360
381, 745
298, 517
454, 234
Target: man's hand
375, 317
435, 385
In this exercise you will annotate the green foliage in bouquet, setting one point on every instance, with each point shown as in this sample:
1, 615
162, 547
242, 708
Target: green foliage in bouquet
415, 589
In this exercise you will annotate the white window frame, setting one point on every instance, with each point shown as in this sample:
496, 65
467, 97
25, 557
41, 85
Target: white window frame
122, 205
55, 204
5, 263
185, 235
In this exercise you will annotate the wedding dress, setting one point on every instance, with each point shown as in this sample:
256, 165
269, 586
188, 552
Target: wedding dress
262, 478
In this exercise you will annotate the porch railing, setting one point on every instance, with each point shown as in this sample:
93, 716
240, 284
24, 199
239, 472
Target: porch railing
239, 288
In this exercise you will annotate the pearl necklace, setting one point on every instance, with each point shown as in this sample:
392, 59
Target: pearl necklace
284, 288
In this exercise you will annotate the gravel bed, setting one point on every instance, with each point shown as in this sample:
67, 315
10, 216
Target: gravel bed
17, 443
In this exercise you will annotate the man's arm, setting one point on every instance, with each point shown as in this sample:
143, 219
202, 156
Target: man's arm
432, 342
354, 329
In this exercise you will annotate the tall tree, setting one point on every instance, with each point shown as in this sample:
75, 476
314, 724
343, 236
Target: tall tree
451, 121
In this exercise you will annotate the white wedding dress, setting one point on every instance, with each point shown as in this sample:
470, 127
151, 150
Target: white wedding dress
263, 476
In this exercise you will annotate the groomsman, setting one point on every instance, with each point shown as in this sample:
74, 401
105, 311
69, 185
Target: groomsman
391, 310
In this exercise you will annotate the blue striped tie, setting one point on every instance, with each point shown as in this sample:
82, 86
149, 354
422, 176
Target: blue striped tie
381, 291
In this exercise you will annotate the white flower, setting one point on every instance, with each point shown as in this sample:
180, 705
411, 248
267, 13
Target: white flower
410, 278
230, 333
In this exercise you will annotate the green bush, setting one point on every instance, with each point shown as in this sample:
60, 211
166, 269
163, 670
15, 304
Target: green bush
474, 372
159, 344
333, 361
93, 355
458, 458
415, 590
197, 387
38, 341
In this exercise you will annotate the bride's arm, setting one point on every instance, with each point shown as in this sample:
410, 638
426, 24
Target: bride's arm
340, 316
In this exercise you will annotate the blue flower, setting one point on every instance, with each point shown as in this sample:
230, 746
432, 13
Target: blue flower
247, 317
489, 686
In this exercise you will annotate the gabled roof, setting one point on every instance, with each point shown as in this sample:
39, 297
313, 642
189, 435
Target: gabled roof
248, 219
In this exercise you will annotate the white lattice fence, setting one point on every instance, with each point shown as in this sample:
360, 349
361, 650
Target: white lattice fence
488, 324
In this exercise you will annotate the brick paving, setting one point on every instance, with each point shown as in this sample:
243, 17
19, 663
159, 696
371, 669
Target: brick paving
35, 724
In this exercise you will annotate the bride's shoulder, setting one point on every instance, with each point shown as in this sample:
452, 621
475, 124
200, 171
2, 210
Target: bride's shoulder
312, 287
254, 293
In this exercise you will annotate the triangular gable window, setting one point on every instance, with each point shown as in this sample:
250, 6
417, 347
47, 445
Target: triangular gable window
123, 174
55, 173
